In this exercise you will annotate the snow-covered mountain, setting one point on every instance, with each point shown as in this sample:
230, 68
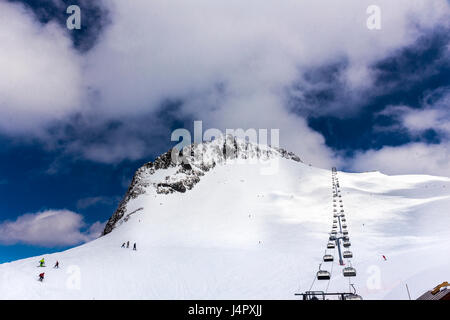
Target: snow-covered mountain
219, 227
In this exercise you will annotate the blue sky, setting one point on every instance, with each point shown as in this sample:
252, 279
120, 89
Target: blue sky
83, 109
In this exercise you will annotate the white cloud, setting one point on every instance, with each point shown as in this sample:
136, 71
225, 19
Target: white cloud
229, 61
434, 113
419, 158
414, 158
92, 201
250, 50
49, 228
40, 78
152, 52
421, 120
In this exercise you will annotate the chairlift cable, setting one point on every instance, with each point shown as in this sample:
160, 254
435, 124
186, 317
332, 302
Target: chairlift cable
312, 284
331, 274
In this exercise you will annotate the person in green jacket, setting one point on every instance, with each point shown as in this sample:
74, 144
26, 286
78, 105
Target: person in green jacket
42, 262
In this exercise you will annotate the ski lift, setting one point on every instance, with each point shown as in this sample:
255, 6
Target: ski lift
334, 221
349, 272
353, 296
344, 226
332, 237
334, 226
345, 232
333, 232
328, 258
330, 245
343, 219
346, 244
348, 254
334, 210
346, 238
323, 274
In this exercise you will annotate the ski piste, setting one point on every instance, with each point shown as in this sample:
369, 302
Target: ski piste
236, 233
333, 249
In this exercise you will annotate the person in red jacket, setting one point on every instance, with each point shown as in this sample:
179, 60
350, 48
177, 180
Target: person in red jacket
41, 276
384, 258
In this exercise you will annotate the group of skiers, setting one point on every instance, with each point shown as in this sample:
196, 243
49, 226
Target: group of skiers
42, 264
128, 245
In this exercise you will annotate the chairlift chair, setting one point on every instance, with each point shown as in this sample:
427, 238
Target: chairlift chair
328, 258
346, 244
352, 296
323, 274
349, 272
330, 245
348, 254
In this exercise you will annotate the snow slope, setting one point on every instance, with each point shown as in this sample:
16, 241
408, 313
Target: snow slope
240, 234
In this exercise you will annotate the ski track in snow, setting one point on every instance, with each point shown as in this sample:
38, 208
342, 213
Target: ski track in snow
242, 235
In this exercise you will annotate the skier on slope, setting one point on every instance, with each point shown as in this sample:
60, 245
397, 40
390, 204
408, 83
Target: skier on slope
56, 265
41, 276
134, 246
384, 258
123, 245
128, 244
42, 263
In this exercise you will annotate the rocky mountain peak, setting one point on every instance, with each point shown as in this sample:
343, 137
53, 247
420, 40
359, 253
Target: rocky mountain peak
167, 176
